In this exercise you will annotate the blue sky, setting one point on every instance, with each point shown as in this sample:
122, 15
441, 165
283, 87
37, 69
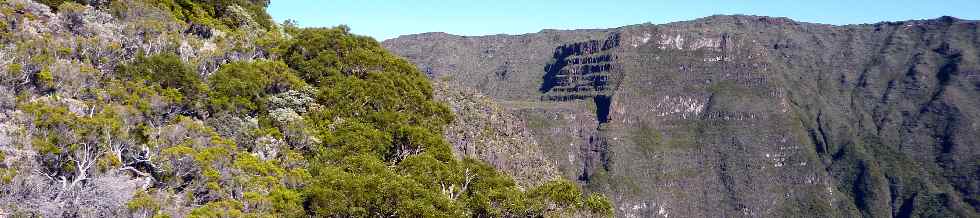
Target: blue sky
384, 19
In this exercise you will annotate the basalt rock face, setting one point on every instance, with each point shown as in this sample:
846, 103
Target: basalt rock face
742, 116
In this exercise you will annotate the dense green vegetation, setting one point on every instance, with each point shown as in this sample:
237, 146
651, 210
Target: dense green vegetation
225, 13
325, 124
382, 151
243, 87
222, 14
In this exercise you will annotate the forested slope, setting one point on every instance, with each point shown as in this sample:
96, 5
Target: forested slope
197, 108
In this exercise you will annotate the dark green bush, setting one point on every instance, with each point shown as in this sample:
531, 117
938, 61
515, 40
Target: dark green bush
599, 204
217, 13
166, 71
53, 4
242, 87
563, 193
319, 53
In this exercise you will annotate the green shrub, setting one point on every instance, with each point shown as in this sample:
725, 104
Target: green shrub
318, 53
45, 80
166, 71
14, 69
243, 87
364, 187
225, 208
598, 204
11, 74
7, 175
53, 4
562, 193
217, 13
70, 7
143, 203
4, 30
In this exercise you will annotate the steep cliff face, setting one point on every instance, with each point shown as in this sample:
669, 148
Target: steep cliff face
742, 115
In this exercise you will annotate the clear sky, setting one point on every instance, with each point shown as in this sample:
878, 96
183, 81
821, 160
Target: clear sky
384, 19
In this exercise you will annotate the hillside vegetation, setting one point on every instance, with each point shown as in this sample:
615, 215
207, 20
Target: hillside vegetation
207, 108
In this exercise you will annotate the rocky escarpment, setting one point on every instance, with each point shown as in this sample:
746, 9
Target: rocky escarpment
484, 130
742, 115
580, 70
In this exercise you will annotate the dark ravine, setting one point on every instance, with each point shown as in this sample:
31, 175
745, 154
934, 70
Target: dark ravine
742, 116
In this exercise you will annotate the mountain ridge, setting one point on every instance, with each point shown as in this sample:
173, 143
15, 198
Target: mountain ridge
706, 18
742, 115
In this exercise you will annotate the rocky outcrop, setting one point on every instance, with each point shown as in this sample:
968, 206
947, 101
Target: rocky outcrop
742, 115
484, 130
580, 70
